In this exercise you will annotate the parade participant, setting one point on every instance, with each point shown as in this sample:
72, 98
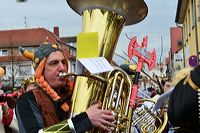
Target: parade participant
49, 103
183, 106
177, 76
7, 114
166, 83
29, 84
8, 119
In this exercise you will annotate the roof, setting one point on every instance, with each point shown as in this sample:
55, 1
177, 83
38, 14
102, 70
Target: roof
26, 37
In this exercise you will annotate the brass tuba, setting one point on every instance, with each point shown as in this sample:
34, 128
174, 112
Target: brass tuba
113, 92
107, 17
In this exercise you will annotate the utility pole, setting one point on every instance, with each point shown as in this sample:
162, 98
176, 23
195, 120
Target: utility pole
12, 62
161, 50
25, 21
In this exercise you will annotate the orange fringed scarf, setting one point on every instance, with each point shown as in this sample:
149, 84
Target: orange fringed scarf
47, 88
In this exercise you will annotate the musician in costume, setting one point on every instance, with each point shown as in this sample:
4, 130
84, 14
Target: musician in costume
46, 108
184, 103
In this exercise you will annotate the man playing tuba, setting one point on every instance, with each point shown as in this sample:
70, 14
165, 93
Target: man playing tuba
48, 104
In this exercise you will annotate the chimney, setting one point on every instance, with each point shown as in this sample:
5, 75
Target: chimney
56, 30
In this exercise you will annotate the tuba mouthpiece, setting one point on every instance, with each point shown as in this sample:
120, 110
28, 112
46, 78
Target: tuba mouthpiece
62, 74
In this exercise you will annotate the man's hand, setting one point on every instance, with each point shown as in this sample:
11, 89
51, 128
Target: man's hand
100, 118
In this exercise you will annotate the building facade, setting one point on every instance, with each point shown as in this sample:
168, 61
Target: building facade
176, 52
188, 17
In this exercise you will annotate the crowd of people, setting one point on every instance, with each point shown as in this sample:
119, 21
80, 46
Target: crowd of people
44, 102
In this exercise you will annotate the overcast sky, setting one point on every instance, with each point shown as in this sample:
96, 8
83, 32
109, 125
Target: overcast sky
50, 13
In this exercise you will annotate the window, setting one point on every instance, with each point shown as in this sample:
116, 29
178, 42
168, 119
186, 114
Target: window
185, 31
3, 52
24, 70
199, 10
188, 22
193, 13
179, 42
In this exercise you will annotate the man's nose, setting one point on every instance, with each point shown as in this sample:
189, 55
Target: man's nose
61, 66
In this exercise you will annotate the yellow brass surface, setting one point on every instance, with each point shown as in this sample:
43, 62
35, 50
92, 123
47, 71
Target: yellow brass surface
133, 11
87, 90
113, 92
117, 98
108, 25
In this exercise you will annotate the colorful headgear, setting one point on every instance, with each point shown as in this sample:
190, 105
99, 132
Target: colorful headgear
43, 51
39, 58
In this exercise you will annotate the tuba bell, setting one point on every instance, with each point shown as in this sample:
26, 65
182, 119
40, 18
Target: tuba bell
107, 18
147, 121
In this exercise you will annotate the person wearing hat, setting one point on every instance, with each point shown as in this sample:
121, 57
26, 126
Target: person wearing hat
8, 119
48, 104
184, 103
